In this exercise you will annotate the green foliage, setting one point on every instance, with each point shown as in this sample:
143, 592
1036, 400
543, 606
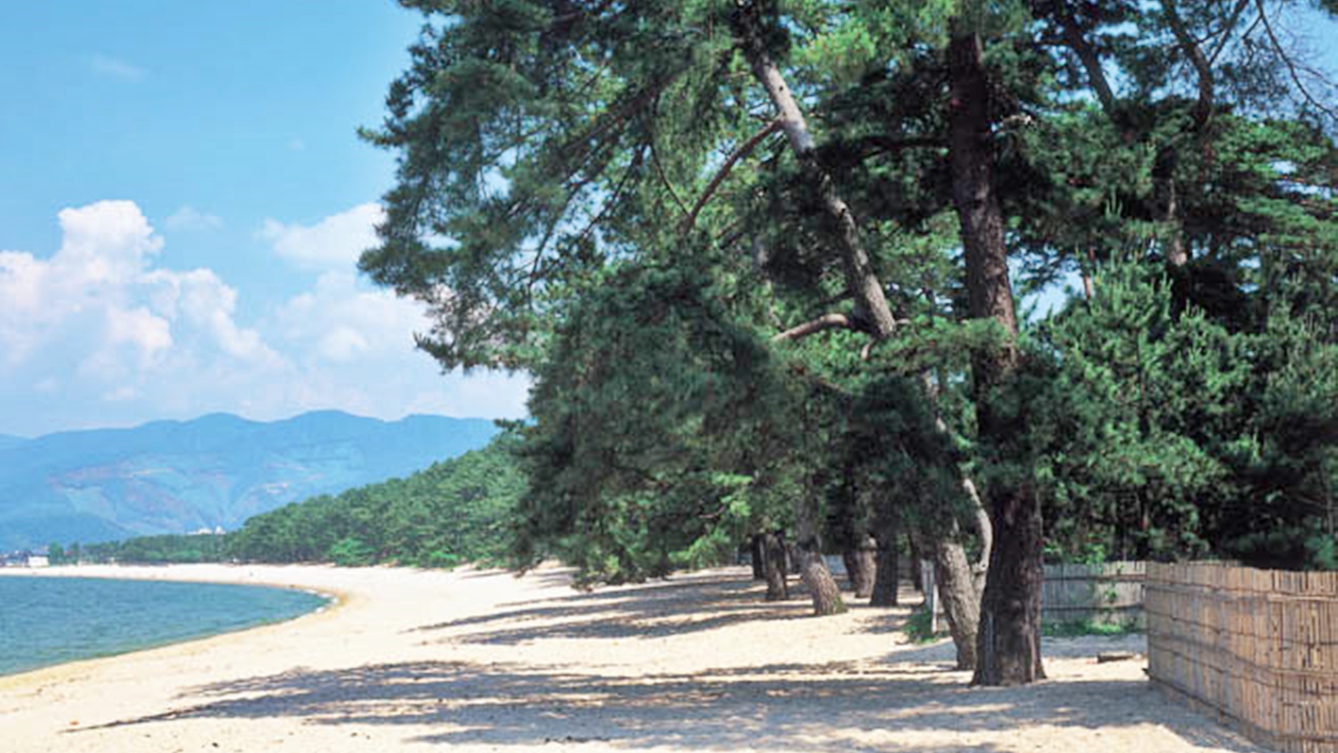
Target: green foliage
1170, 437
1129, 420
918, 627
1286, 458
654, 428
1088, 627
552, 210
455, 511
351, 552
152, 550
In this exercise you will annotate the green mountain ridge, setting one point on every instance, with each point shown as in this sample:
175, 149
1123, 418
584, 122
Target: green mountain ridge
210, 472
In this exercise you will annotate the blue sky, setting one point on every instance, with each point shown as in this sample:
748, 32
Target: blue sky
182, 202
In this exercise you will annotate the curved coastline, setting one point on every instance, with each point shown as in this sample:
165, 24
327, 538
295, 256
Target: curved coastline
210, 574
207, 620
475, 660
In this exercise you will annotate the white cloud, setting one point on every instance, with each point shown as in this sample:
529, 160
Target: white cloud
96, 319
341, 318
121, 394
365, 335
105, 247
110, 67
109, 242
189, 218
335, 242
207, 306
342, 344
150, 334
20, 277
101, 334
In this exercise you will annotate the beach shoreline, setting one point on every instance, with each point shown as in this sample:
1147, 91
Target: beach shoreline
185, 573
480, 660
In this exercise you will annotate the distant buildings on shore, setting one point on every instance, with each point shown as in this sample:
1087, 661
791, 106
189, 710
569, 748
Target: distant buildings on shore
25, 558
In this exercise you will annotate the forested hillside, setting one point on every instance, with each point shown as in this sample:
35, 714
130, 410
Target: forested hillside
172, 477
764, 260
455, 511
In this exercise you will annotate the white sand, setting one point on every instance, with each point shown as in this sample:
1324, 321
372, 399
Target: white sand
478, 661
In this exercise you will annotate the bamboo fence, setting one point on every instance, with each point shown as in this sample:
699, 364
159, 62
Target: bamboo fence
1110, 593
1257, 647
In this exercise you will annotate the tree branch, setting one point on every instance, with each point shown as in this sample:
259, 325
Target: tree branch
1203, 108
983, 527
1091, 62
664, 179
860, 276
1226, 30
743, 151
632, 169
821, 324
1291, 65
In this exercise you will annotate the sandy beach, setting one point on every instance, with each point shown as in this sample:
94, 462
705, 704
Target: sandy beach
481, 660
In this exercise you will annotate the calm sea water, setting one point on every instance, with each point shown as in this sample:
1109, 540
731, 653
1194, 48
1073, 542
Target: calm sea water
45, 621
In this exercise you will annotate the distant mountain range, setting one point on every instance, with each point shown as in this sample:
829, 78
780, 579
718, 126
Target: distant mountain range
214, 471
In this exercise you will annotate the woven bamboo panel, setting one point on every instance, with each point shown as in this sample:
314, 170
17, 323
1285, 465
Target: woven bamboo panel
1258, 647
1104, 594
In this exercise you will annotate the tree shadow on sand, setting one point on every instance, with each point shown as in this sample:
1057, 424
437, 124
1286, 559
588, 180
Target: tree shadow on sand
797, 706
816, 708
689, 604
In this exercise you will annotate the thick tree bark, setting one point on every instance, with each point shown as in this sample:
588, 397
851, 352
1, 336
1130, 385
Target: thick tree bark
958, 597
966, 588
775, 566
888, 577
861, 566
961, 601
1009, 634
819, 581
813, 570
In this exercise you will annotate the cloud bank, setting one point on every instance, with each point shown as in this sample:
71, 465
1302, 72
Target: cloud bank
334, 242
101, 333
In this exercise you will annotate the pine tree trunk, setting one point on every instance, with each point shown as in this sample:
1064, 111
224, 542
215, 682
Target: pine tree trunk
917, 576
985, 532
774, 564
820, 583
813, 570
759, 553
1010, 621
1009, 634
861, 566
961, 602
957, 592
888, 579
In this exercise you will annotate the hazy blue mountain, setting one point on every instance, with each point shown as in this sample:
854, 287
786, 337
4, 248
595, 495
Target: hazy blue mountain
217, 470
9, 440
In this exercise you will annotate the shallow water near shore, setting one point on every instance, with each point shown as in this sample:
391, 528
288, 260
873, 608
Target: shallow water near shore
48, 621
